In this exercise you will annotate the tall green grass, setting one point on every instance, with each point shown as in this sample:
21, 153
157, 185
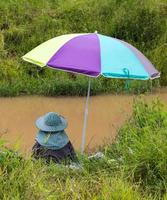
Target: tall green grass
141, 147
26, 179
25, 24
134, 166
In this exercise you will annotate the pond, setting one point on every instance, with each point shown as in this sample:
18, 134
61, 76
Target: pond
107, 113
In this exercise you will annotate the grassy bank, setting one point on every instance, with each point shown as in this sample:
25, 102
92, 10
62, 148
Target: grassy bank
134, 166
25, 24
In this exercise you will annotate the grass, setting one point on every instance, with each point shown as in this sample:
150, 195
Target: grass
134, 166
142, 23
142, 147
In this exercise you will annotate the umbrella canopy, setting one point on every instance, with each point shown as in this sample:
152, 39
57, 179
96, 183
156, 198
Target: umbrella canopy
93, 54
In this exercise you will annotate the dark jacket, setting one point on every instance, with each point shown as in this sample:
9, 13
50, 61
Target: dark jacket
64, 155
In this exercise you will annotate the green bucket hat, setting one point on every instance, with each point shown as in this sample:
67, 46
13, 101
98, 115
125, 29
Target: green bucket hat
51, 122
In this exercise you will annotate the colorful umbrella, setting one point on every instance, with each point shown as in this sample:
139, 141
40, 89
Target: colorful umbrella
92, 54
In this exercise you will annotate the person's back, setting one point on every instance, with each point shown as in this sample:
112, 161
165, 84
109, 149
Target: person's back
52, 142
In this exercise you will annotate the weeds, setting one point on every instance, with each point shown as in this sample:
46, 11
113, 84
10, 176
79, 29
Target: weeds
141, 148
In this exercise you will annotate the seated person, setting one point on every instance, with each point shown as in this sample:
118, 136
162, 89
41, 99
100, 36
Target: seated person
52, 142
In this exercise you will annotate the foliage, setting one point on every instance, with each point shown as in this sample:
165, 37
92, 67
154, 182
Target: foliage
141, 147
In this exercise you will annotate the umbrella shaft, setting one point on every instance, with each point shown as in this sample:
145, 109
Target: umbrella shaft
85, 119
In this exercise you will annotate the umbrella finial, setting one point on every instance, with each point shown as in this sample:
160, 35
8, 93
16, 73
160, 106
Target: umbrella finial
96, 32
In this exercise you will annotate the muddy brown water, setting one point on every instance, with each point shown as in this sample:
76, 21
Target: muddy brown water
106, 114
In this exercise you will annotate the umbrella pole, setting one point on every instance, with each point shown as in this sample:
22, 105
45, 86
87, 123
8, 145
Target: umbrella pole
85, 119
